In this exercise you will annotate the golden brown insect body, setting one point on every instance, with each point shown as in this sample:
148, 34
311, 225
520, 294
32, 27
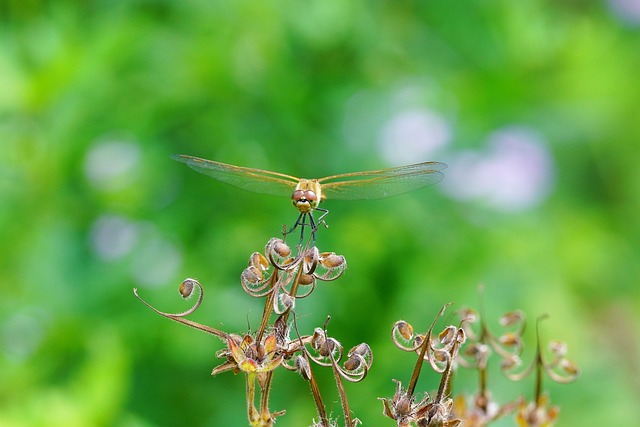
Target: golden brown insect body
307, 195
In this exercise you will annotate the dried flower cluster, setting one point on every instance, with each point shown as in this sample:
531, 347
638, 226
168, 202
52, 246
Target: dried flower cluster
281, 279
444, 357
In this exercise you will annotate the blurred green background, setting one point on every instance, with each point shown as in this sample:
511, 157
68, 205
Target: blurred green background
533, 104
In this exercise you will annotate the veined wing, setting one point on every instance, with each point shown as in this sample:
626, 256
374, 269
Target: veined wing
250, 179
381, 183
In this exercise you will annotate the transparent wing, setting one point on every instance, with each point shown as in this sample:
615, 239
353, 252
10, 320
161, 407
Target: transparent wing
381, 183
255, 180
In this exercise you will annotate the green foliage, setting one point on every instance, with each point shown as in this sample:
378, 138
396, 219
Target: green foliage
96, 96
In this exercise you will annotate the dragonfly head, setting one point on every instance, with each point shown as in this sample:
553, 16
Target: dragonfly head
304, 200
306, 196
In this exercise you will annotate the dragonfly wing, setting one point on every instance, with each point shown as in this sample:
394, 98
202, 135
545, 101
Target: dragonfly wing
254, 180
382, 183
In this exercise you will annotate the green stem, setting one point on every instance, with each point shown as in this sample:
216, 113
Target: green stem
252, 413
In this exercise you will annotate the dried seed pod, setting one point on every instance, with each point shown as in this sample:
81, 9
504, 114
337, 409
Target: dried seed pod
287, 301
186, 287
331, 260
353, 362
252, 275
306, 279
357, 356
441, 355
281, 248
362, 349
404, 329
259, 261
328, 347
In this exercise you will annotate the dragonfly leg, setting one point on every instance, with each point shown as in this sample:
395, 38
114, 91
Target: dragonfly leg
314, 227
312, 224
321, 220
301, 221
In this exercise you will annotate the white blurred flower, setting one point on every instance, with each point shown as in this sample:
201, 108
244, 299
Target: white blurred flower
413, 136
154, 259
113, 237
514, 173
110, 164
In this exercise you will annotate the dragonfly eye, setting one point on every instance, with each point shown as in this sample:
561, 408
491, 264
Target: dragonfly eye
297, 195
310, 196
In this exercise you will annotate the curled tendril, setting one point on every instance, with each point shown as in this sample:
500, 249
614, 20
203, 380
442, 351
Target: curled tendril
441, 351
436, 351
255, 278
329, 352
508, 346
186, 289
285, 277
558, 368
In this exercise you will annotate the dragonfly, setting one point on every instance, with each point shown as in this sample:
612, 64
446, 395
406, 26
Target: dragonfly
307, 194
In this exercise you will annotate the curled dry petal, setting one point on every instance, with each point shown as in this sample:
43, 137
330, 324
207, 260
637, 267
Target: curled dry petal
570, 367
510, 339
511, 318
510, 362
270, 343
317, 339
302, 367
559, 348
469, 315
311, 257
476, 351
461, 337
447, 335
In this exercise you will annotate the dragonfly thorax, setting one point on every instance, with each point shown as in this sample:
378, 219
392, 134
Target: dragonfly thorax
307, 195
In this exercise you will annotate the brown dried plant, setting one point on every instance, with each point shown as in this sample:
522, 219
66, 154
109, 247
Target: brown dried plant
281, 279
